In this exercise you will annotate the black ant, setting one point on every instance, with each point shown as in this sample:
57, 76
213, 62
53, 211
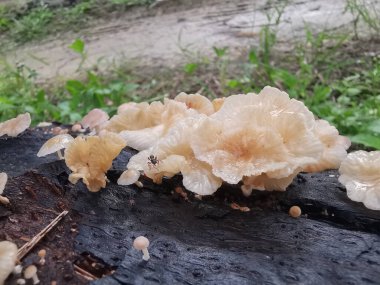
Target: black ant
153, 161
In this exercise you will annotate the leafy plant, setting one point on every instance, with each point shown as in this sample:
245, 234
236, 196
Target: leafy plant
32, 25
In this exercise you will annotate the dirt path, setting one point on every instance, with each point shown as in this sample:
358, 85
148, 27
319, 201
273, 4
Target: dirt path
158, 35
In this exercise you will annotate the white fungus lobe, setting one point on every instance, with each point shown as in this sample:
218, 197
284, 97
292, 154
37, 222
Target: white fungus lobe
15, 126
129, 177
360, 174
3, 181
8, 256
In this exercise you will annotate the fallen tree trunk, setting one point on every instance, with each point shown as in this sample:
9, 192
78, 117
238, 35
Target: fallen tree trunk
335, 241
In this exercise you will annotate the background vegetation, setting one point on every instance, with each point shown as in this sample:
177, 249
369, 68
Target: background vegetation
324, 71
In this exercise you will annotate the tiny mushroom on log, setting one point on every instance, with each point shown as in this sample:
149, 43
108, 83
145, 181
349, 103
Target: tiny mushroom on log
55, 144
42, 254
31, 272
142, 243
295, 211
8, 257
3, 181
15, 126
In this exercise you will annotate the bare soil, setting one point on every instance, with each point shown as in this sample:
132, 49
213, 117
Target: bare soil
165, 33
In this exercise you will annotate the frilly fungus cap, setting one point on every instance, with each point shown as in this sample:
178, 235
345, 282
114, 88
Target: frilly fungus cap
15, 126
95, 118
175, 155
196, 102
252, 135
90, 158
172, 112
360, 173
55, 144
135, 117
334, 147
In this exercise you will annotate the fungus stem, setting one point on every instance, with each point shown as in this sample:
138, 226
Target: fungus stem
60, 155
146, 255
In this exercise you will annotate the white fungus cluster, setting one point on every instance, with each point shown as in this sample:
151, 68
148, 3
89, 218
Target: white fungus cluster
260, 140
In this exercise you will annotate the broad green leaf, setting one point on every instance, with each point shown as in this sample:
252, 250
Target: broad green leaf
367, 140
374, 126
77, 46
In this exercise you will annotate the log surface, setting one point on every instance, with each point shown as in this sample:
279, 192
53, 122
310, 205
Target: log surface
335, 241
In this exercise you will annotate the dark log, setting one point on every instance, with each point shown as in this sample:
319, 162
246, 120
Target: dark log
335, 241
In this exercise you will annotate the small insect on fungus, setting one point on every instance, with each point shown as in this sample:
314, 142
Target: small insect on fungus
153, 162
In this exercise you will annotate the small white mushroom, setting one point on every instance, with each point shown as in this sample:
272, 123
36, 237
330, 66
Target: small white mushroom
31, 272
17, 269
129, 177
42, 254
20, 281
8, 256
3, 181
142, 243
55, 144
295, 211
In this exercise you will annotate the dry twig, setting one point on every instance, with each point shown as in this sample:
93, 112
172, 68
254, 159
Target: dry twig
29, 245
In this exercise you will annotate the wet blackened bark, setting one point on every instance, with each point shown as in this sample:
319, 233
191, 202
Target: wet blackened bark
335, 241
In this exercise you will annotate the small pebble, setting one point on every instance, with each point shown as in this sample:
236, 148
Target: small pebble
295, 211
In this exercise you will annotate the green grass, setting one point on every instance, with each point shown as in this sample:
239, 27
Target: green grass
19, 25
343, 90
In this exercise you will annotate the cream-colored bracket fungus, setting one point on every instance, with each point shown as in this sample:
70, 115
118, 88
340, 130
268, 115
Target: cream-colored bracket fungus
90, 157
8, 256
3, 181
31, 272
55, 144
360, 173
142, 243
15, 126
94, 119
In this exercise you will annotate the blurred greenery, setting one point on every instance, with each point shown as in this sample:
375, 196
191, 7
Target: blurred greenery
339, 86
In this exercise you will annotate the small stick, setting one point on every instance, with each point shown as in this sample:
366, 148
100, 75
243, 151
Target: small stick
87, 275
30, 244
